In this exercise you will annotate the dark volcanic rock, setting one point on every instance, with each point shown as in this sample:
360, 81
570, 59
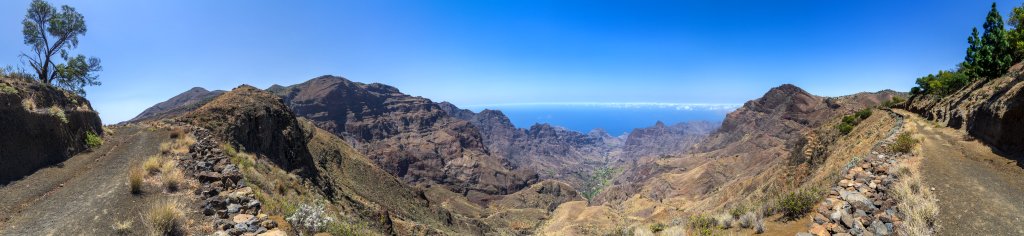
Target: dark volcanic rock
39, 126
410, 137
259, 123
178, 105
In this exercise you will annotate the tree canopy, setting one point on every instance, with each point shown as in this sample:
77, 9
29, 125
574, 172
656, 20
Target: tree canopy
51, 34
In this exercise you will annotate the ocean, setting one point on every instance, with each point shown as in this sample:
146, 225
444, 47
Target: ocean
615, 118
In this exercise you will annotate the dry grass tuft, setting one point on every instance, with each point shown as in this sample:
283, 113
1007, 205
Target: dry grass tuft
122, 227
166, 218
916, 201
29, 104
179, 145
173, 180
152, 165
135, 176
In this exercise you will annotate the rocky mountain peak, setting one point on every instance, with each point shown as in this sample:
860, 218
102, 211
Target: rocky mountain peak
179, 104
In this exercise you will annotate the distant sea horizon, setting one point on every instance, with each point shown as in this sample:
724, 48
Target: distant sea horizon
615, 118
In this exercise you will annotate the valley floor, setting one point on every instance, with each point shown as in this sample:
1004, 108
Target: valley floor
84, 195
979, 192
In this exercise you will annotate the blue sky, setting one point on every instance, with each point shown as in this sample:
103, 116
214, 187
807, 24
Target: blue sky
494, 52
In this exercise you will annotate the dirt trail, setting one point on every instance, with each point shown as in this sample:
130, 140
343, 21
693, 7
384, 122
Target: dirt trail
979, 192
84, 195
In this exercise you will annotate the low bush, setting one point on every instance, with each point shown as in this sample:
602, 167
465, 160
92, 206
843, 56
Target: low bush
92, 140
748, 220
703, 224
165, 218
310, 219
844, 128
657, 227
7, 89
796, 204
904, 143
863, 114
738, 211
725, 221
759, 227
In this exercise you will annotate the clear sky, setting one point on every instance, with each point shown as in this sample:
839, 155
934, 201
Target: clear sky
494, 52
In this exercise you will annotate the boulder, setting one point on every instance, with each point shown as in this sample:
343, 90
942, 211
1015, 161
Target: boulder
241, 218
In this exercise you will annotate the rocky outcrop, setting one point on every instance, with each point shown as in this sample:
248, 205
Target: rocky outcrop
410, 137
178, 105
40, 125
259, 123
762, 133
662, 139
564, 154
547, 195
990, 110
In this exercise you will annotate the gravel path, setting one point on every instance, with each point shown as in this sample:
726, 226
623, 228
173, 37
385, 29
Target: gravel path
84, 195
979, 192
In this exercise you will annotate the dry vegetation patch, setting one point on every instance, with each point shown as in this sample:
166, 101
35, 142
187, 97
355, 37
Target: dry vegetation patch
916, 200
166, 218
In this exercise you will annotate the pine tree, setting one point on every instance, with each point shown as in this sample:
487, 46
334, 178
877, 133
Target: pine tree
970, 65
995, 54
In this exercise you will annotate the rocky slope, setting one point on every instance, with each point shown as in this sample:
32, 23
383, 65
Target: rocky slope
410, 137
42, 126
662, 139
778, 143
569, 155
990, 110
762, 131
179, 104
293, 162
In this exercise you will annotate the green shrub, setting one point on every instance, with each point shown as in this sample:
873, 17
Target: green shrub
852, 120
863, 114
7, 89
92, 140
844, 128
904, 143
59, 113
703, 224
738, 211
796, 204
658, 227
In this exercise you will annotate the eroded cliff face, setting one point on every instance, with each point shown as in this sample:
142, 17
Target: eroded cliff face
759, 135
991, 110
40, 126
328, 169
662, 139
567, 155
410, 137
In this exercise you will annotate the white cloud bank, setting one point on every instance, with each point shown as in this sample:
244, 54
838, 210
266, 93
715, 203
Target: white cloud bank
622, 105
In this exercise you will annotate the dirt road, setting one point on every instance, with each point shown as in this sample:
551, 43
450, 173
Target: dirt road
979, 192
84, 195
